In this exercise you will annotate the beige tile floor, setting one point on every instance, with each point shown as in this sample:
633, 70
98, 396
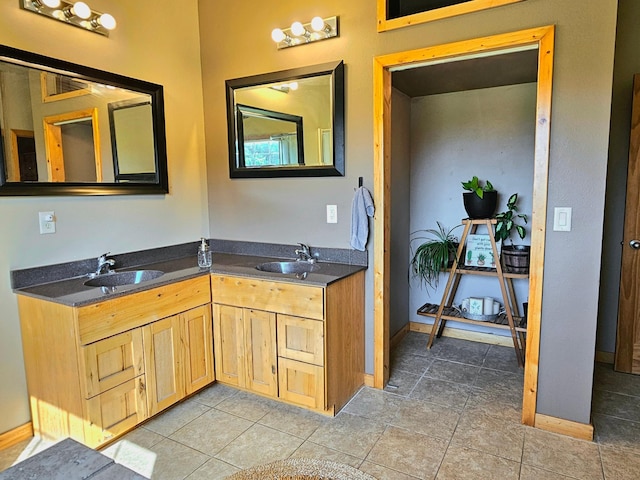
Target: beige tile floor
452, 412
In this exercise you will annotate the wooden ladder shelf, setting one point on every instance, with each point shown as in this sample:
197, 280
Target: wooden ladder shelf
510, 319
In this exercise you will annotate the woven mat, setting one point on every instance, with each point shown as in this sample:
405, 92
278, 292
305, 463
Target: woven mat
301, 469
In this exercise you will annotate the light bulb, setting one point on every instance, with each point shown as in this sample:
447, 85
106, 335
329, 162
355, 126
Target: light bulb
317, 23
297, 29
277, 35
51, 3
81, 10
107, 21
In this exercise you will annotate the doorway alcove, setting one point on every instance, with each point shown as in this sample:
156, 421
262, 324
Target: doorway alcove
450, 121
533, 46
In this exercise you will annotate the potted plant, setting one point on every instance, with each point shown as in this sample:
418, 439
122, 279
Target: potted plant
433, 255
515, 257
480, 200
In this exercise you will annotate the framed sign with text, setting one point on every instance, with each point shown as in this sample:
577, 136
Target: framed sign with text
479, 252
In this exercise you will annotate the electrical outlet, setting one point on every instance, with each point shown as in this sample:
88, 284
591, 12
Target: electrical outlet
332, 214
47, 222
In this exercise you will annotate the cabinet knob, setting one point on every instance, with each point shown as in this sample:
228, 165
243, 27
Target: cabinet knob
635, 244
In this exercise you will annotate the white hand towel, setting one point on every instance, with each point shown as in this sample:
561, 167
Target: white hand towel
361, 208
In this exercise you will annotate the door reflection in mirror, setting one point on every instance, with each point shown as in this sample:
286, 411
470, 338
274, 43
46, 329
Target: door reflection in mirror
72, 146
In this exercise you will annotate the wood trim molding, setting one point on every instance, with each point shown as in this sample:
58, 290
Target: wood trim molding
464, 334
368, 380
582, 431
399, 335
543, 39
381, 219
605, 357
538, 220
385, 24
17, 435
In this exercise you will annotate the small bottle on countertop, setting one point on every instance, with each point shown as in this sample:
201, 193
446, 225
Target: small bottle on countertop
204, 254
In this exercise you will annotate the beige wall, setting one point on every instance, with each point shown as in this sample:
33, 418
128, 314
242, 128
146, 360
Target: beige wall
235, 43
159, 45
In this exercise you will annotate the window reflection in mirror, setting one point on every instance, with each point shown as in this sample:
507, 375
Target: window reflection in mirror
69, 129
263, 110
269, 139
132, 140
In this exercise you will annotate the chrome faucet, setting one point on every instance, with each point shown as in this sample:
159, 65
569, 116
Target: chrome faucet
304, 253
104, 264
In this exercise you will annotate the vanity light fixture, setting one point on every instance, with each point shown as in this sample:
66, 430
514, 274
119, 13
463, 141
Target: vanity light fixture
78, 14
285, 87
301, 33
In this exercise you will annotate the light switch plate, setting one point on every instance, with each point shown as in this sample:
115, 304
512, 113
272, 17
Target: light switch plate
332, 214
562, 219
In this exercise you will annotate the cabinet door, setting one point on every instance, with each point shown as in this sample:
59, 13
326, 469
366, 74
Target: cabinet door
228, 341
197, 334
163, 363
112, 361
260, 348
115, 411
301, 383
301, 339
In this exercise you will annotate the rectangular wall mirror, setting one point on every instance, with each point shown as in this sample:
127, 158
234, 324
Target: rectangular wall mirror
288, 123
66, 129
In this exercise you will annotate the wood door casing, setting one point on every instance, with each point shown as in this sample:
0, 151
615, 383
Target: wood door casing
627, 358
544, 39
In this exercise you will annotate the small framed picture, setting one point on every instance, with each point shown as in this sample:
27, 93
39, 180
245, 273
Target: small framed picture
479, 252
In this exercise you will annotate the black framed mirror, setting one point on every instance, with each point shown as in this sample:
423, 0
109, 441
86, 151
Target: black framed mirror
67, 129
311, 99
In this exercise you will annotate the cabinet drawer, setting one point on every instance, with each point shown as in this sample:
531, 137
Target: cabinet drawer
301, 339
301, 383
115, 411
278, 297
111, 317
112, 361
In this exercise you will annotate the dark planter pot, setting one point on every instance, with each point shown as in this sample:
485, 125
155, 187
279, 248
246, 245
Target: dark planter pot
516, 258
477, 207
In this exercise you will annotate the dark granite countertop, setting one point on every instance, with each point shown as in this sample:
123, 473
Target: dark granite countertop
72, 291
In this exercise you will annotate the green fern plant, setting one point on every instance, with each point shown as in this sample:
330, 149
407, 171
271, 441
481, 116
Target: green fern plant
433, 255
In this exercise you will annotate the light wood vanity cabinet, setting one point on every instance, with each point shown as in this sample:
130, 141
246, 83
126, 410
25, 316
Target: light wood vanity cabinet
307, 340
96, 371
